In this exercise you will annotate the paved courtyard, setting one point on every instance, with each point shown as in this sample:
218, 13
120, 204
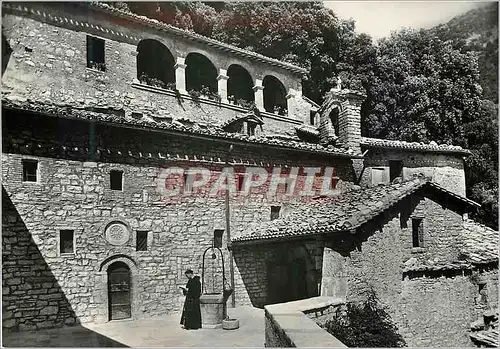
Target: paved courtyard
162, 331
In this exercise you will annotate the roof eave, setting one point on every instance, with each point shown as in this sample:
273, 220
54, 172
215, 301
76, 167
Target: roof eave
197, 37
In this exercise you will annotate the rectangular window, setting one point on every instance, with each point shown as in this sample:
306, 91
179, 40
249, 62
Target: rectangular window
30, 169
275, 212
377, 176
218, 238
95, 53
241, 178
395, 169
312, 117
141, 241
251, 129
417, 232
187, 186
116, 180
66, 244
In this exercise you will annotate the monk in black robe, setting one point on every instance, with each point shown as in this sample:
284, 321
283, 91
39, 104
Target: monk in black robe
191, 313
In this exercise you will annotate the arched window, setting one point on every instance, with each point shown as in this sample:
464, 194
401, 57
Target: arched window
239, 85
155, 64
334, 120
201, 74
274, 95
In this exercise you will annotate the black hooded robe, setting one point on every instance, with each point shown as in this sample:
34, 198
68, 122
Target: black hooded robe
191, 313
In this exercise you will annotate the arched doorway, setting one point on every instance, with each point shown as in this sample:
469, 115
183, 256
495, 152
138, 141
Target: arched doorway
119, 291
274, 95
201, 74
240, 84
155, 63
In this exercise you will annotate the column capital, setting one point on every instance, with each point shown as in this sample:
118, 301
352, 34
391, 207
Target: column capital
222, 77
180, 65
257, 88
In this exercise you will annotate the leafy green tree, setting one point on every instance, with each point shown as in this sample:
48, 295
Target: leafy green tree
365, 324
422, 90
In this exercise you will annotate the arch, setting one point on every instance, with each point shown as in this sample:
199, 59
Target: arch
240, 84
118, 258
274, 95
155, 63
333, 119
200, 72
102, 289
119, 291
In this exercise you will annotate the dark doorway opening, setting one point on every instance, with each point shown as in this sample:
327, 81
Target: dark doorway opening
274, 96
119, 295
240, 85
201, 74
395, 169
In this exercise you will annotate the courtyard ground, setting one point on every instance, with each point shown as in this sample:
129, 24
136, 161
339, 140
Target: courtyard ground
162, 331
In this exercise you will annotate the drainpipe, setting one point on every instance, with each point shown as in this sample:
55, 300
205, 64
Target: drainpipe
228, 229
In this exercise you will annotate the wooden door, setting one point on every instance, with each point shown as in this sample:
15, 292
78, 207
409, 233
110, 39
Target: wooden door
119, 291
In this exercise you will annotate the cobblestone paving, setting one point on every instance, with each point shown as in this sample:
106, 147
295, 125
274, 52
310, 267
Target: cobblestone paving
162, 331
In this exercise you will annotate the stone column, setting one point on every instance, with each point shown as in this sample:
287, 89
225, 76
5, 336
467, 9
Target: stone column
258, 89
222, 85
180, 75
291, 104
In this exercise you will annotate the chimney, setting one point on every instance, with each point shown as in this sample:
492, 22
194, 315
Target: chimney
340, 118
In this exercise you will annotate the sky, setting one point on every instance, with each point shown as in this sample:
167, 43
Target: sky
379, 18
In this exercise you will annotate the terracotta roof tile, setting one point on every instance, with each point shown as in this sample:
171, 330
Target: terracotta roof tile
144, 119
431, 147
347, 211
480, 243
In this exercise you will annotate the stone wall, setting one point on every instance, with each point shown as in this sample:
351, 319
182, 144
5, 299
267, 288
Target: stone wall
445, 170
253, 265
73, 192
48, 63
438, 311
295, 324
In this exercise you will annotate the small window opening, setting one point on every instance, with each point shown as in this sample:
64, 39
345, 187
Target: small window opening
141, 243
187, 186
95, 53
218, 238
334, 120
66, 244
241, 179
417, 232
116, 180
251, 129
395, 169
30, 169
275, 212
312, 117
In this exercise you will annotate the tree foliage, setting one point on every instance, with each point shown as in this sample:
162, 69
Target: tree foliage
365, 325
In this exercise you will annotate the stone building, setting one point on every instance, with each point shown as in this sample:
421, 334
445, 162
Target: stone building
98, 104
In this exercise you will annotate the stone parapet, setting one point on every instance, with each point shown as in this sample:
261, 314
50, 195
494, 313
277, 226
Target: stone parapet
287, 325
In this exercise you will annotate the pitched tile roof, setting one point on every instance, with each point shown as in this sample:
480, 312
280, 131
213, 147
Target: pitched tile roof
423, 147
110, 10
480, 243
347, 211
144, 119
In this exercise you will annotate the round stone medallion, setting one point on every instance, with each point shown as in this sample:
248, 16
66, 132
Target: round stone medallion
117, 234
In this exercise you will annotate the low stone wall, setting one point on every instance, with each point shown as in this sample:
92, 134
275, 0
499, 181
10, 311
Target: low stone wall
293, 324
